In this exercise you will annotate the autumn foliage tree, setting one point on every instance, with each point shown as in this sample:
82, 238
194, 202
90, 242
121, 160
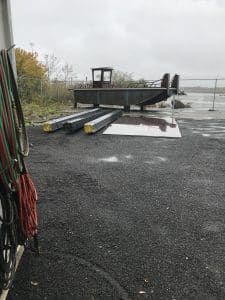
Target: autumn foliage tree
31, 73
42, 81
28, 65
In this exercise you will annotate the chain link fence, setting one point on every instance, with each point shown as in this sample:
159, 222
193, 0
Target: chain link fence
208, 92
38, 89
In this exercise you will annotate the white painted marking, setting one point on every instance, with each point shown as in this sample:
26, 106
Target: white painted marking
162, 158
129, 156
109, 159
156, 160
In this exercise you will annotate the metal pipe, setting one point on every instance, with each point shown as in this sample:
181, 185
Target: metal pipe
56, 124
78, 123
101, 122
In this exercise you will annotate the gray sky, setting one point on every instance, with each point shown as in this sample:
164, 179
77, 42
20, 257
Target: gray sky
143, 37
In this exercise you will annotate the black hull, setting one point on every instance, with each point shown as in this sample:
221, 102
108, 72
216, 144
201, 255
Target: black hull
122, 96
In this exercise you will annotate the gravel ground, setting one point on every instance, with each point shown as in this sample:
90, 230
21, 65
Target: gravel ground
126, 217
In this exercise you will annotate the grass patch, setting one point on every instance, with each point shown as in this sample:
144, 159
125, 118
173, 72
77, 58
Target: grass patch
41, 110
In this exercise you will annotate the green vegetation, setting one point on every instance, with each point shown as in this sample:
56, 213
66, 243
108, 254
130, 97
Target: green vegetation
39, 111
43, 87
30, 73
28, 66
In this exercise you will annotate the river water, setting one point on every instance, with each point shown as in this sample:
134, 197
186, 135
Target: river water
199, 101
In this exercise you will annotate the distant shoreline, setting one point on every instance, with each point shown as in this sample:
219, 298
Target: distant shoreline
219, 90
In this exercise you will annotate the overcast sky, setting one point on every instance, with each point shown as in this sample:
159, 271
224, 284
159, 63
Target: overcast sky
143, 37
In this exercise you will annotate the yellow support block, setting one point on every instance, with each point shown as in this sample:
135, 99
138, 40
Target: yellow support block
88, 128
47, 127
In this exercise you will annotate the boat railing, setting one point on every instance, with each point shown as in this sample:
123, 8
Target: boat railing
159, 83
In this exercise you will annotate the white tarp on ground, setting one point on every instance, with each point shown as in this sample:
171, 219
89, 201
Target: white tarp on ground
145, 126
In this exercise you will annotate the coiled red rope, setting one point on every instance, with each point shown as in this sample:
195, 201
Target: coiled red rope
27, 205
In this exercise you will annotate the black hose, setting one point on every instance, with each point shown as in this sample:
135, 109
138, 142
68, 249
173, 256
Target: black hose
8, 239
19, 117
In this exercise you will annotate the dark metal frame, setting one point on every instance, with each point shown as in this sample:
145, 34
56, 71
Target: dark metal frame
102, 83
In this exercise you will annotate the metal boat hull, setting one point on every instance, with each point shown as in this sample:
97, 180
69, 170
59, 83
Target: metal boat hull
122, 96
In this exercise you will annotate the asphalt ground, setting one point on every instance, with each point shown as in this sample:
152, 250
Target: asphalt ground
124, 217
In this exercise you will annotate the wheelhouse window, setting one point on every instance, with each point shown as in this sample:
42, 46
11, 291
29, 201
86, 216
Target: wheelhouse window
106, 76
97, 75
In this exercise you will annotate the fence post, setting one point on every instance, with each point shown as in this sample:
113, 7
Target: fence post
41, 90
57, 91
214, 96
173, 105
